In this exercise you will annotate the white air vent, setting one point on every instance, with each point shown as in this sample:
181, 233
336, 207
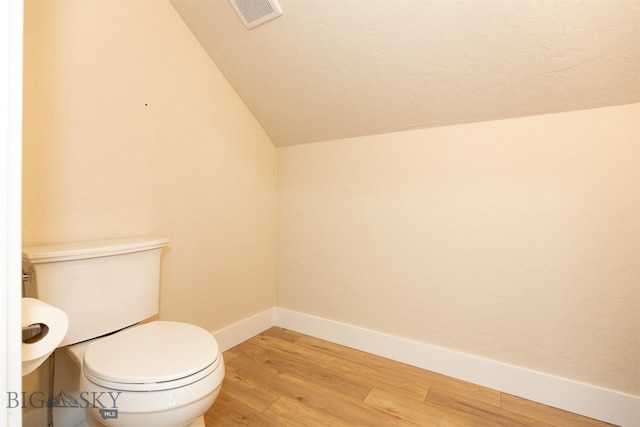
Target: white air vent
256, 12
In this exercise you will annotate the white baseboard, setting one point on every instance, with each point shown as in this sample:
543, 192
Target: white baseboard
595, 402
238, 332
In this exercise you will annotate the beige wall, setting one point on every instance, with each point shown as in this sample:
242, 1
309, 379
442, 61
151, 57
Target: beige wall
516, 240
130, 129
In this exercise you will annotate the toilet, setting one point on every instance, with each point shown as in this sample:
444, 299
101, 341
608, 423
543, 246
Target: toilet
132, 373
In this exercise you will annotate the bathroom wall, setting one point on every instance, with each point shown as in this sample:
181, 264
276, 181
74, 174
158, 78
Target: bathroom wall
130, 129
515, 240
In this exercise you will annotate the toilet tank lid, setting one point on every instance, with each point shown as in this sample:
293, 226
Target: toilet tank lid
90, 249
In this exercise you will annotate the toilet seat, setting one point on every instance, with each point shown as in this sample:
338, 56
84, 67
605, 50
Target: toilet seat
155, 356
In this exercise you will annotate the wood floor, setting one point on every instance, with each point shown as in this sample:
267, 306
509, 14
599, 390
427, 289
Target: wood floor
283, 378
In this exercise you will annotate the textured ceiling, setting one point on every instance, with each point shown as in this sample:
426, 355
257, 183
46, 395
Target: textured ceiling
329, 69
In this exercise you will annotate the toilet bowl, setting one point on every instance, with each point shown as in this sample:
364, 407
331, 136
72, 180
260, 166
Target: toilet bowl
160, 374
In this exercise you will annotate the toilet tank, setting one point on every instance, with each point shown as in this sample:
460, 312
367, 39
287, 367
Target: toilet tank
103, 286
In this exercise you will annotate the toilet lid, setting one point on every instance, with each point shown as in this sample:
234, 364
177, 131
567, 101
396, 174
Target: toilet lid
156, 352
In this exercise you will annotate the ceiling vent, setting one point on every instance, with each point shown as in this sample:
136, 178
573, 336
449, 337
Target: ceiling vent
256, 12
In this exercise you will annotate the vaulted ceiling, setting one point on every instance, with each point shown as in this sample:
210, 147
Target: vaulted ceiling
329, 69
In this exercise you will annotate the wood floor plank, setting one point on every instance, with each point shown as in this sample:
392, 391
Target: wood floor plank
394, 372
292, 413
284, 378
283, 334
341, 406
467, 403
303, 368
423, 414
336, 359
244, 387
476, 391
229, 355
229, 412
546, 413
404, 372
348, 353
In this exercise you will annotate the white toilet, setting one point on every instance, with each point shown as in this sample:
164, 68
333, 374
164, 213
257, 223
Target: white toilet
156, 374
